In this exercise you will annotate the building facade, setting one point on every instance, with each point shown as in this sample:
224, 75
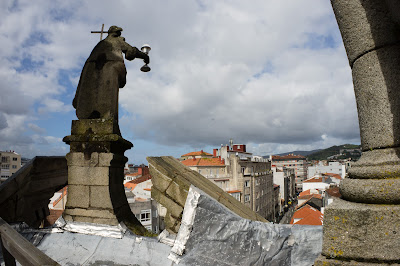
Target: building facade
296, 162
9, 164
326, 167
246, 177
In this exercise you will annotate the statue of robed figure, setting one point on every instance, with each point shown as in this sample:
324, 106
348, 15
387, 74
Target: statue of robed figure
102, 75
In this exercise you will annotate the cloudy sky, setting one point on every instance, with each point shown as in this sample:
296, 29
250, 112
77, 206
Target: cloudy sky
270, 74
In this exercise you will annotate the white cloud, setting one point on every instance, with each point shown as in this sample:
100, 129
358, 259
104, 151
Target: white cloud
268, 73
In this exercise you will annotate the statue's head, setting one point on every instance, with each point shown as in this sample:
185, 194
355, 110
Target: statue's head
115, 31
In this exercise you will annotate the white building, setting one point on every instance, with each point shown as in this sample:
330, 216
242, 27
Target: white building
321, 182
9, 164
331, 167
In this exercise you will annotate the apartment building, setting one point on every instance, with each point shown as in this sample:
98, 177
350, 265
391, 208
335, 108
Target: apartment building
9, 164
246, 177
296, 162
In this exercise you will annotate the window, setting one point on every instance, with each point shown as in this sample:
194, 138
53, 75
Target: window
247, 198
243, 170
4, 159
14, 167
15, 159
5, 166
247, 183
145, 216
236, 196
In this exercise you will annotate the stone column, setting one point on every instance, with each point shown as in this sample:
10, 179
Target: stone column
365, 225
95, 175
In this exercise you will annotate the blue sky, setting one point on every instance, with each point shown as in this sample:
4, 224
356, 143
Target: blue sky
270, 74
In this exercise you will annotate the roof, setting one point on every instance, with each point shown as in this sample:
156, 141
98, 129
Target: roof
337, 176
308, 192
308, 216
196, 153
309, 196
132, 184
134, 174
287, 157
318, 179
333, 192
204, 162
233, 191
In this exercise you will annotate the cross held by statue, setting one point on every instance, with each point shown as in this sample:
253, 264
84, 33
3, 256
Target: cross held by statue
101, 32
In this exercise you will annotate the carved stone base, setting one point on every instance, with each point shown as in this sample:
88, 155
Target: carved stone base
361, 232
89, 197
96, 163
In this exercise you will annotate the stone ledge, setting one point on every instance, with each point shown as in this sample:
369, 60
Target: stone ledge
359, 231
90, 213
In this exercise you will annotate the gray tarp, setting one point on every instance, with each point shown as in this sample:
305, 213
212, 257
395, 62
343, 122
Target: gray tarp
210, 235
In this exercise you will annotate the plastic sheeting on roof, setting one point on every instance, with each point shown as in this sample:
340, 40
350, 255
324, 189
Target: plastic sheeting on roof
220, 237
211, 235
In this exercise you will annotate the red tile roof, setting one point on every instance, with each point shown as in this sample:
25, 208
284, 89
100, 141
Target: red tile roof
308, 216
309, 196
305, 192
134, 174
197, 153
204, 162
132, 184
334, 192
233, 191
314, 179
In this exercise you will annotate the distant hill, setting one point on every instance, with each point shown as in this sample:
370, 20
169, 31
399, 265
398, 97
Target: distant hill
348, 151
302, 153
337, 152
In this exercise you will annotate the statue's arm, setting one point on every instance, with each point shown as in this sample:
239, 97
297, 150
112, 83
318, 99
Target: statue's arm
133, 52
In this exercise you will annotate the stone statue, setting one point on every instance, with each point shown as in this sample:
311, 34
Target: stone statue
102, 75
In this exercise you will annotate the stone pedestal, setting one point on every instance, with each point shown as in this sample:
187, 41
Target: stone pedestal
95, 175
363, 228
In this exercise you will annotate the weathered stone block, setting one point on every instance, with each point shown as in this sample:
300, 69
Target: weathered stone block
91, 213
100, 197
170, 223
82, 175
159, 180
83, 219
361, 232
78, 196
173, 208
377, 89
179, 194
95, 126
67, 218
78, 159
105, 159
113, 221
364, 25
